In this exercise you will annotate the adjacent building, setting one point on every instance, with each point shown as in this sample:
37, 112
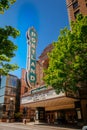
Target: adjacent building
75, 7
8, 96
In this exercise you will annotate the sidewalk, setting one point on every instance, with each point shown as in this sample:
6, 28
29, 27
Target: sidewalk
52, 126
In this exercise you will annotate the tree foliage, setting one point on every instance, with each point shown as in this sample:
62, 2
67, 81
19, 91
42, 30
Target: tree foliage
7, 47
5, 4
68, 60
18, 116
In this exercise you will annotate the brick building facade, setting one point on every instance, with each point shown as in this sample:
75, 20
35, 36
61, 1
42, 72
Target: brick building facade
42, 102
9, 92
75, 7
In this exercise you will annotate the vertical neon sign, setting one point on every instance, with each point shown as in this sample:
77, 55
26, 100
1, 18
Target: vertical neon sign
31, 57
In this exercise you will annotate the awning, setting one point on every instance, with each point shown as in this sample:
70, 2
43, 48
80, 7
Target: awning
54, 104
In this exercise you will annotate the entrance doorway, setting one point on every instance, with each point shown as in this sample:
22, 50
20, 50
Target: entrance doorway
50, 116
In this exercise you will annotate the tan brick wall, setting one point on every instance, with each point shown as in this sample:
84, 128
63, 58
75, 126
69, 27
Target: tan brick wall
23, 83
82, 7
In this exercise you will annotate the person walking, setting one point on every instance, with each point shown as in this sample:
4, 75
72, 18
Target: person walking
24, 121
48, 120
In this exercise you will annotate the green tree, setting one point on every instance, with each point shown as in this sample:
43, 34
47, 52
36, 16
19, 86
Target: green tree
18, 116
67, 69
5, 4
7, 47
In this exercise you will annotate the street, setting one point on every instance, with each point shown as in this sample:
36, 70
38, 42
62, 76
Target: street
21, 126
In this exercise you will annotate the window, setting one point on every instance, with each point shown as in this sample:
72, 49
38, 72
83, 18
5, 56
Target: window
76, 13
12, 81
0, 81
4, 108
75, 4
2, 99
2, 91
3, 81
13, 91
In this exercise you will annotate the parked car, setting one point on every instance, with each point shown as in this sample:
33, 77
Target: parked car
84, 127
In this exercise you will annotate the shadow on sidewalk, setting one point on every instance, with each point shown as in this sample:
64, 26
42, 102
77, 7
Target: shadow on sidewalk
73, 126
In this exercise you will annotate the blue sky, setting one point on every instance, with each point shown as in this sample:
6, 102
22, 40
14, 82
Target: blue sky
47, 16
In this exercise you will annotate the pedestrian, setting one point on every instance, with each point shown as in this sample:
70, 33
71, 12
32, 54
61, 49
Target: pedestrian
34, 118
48, 120
24, 121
